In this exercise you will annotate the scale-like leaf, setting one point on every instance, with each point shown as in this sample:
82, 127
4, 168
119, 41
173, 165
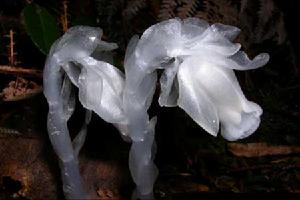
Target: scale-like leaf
40, 26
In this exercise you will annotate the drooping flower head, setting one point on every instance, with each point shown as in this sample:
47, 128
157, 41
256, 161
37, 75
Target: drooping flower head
198, 61
100, 83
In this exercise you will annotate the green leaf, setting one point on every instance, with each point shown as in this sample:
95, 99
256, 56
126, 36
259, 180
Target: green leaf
40, 26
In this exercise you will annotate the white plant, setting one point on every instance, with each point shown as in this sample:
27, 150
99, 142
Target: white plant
198, 62
100, 90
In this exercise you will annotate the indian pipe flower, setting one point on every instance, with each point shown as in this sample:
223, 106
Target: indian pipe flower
78, 58
198, 61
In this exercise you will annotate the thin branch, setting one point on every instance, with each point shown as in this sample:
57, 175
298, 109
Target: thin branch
10, 49
64, 17
5, 69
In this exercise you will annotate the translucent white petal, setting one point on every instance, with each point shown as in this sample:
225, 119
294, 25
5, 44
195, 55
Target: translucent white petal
158, 42
168, 27
229, 32
78, 42
239, 117
193, 27
100, 89
212, 42
193, 99
240, 61
248, 124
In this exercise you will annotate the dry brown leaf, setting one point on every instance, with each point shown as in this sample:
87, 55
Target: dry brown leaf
260, 149
20, 89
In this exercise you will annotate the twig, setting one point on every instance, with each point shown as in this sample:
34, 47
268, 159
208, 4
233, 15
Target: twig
11, 68
10, 49
5, 69
64, 17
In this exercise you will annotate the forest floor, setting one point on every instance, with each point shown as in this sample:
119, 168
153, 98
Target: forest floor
191, 163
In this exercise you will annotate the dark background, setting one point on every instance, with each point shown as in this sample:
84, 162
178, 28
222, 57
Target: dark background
192, 163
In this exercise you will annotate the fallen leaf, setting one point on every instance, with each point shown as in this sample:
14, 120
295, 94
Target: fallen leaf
20, 89
260, 149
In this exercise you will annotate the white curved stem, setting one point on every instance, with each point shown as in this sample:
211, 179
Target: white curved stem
59, 134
